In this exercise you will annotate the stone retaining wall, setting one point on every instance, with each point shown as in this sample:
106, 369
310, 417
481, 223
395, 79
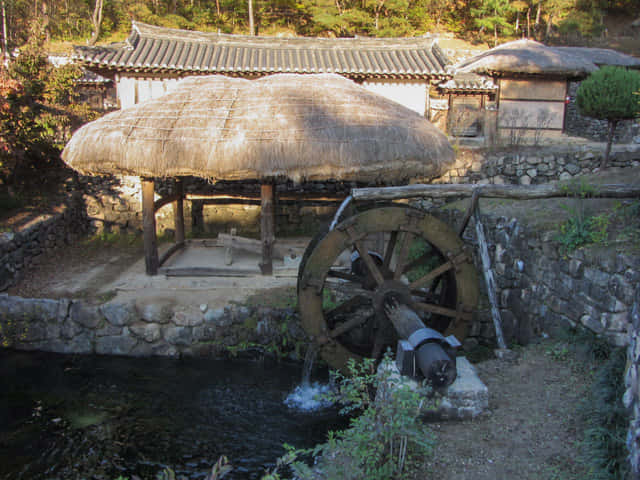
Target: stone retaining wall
541, 289
42, 234
533, 165
75, 326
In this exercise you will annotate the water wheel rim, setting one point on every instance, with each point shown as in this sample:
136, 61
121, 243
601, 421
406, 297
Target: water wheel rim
315, 270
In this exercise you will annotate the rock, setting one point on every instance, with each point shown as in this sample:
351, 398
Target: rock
178, 335
186, 318
572, 168
218, 317
115, 345
155, 310
525, 180
149, 332
203, 307
86, 315
119, 314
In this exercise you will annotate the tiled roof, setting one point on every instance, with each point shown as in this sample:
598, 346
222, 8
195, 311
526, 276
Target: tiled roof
158, 49
469, 82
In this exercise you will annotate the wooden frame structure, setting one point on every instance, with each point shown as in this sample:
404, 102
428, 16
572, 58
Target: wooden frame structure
266, 245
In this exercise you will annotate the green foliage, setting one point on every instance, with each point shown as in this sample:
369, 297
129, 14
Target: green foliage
492, 15
38, 110
609, 94
385, 441
604, 445
581, 228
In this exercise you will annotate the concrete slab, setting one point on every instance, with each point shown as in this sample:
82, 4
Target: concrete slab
237, 281
465, 398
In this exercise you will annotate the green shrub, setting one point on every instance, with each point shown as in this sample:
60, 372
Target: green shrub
604, 444
385, 441
610, 93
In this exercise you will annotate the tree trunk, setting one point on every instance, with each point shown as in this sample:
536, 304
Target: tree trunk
252, 30
5, 48
607, 151
96, 21
218, 7
529, 22
522, 192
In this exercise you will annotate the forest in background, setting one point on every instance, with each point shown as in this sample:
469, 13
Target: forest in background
88, 21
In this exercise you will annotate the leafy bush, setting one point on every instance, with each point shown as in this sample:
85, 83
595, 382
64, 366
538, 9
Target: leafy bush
604, 444
385, 441
610, 93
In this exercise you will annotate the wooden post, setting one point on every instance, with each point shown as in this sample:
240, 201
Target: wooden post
149, 227
490, 280
267, 227
178, 212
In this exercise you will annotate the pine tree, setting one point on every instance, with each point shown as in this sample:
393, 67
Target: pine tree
610, 93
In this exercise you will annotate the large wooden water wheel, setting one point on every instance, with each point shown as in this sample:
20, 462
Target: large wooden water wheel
348, 273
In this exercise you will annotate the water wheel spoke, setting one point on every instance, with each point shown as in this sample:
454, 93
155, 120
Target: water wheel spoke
436, 272
440, 310
347, 306
418, 261
388, 254
344, 276
402, 256
368, 261
343, 328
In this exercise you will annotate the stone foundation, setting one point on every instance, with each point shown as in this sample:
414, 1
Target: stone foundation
160, 328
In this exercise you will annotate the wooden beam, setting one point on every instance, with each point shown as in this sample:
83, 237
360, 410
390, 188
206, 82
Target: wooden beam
149, 227
161, 202
522, 192
173, 249
178, 212
255, 246
267, 227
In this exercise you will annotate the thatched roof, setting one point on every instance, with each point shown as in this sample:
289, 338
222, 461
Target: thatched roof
602, 56
313, 127
527, 57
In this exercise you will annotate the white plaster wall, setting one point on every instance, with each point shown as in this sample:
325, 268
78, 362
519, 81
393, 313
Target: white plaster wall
132, 90
410, 93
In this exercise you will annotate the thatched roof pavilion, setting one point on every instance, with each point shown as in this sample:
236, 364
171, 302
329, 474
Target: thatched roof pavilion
311, 127
528, 57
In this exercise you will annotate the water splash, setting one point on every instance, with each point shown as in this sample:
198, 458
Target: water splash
309, 359
309, 396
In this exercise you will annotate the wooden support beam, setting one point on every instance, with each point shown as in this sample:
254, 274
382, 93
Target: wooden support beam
178, 212
522, 192
173, 249
149, 227
267, 227
489, 279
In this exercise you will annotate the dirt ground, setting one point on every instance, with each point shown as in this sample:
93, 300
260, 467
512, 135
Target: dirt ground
532, 429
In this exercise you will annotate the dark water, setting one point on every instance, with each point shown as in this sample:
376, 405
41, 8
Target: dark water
64, 417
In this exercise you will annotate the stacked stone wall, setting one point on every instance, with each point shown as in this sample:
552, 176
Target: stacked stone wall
147, 329
27, 244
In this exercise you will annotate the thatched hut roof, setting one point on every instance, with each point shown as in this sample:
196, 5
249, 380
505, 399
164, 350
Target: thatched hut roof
528, 57
602, 56
313, 127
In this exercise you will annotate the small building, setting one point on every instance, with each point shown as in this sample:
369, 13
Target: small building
152, 59
536, 83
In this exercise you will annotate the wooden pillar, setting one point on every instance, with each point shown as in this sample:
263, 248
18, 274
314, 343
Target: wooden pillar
149, 226
267, 227
178, 212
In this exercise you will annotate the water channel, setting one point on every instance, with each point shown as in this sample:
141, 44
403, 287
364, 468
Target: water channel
67, 417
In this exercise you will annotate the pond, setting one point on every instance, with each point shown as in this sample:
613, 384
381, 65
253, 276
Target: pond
66, 417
